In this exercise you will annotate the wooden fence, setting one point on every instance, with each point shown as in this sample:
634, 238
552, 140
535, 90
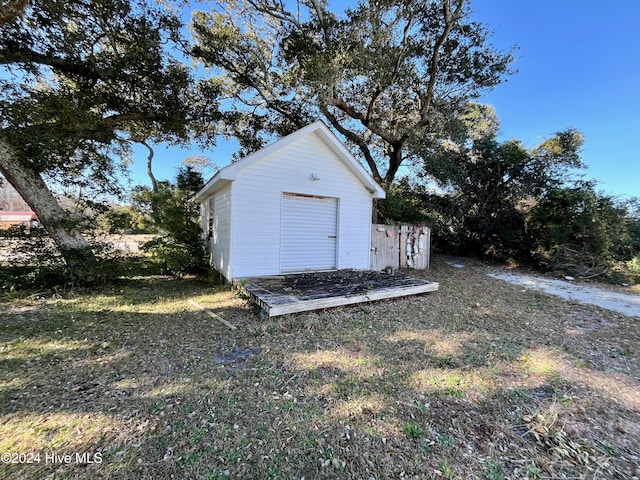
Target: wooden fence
400, 246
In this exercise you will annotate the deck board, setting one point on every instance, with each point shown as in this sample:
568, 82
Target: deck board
283, 294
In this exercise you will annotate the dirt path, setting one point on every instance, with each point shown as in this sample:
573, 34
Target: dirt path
627, 304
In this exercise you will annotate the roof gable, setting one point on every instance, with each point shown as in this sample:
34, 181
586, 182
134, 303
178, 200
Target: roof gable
13, 216
229, 173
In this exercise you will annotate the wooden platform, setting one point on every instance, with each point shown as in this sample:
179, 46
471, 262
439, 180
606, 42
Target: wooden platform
280, 295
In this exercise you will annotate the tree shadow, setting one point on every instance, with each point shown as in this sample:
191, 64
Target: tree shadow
178, 393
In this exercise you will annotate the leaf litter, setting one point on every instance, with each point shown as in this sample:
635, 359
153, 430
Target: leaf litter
478, 380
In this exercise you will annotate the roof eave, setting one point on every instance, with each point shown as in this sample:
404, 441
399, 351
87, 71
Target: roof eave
216, 182
229, 172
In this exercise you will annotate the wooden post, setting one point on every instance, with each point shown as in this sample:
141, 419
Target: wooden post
404, 236
428, 247
212, 315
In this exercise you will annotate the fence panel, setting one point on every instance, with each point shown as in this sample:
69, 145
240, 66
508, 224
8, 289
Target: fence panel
385, 247
405, 246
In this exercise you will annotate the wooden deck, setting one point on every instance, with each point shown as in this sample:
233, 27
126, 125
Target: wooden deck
280, 295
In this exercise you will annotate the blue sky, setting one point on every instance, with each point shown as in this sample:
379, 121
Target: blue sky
578, 66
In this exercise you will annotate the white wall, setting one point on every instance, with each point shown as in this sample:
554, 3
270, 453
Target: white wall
257, 196
220, 241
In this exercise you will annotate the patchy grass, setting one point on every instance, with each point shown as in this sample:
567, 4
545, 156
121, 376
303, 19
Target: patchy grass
480, 380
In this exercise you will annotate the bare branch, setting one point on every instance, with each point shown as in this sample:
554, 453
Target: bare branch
359, 141
317, 6
154, 182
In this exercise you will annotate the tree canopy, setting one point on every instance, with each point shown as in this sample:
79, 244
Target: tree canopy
399, 81
391, 77
492, 183
78, 80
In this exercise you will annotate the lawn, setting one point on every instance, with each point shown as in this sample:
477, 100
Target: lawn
480, 379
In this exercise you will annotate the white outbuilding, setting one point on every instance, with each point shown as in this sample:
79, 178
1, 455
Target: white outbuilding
301, 204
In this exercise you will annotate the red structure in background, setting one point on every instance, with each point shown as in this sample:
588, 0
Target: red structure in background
9, 219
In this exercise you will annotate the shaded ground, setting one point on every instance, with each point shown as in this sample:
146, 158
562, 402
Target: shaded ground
479, 380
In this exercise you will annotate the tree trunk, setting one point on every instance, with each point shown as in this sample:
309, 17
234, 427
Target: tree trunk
395, 160
74, 248
154, 182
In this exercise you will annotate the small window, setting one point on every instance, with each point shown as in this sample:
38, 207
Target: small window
210, 222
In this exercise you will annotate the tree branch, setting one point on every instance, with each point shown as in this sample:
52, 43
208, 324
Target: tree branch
353, 113
375, 95
362, 145
154, 182
395, 160
23, 55
449, 20
317, 6
12, 10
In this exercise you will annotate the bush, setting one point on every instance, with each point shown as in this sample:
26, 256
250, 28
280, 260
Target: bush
583, 233
569, 229
35, 263
175, 257
180, 249
123, 220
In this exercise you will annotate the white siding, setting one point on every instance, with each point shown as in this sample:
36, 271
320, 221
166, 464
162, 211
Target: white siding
257, 198
219, 241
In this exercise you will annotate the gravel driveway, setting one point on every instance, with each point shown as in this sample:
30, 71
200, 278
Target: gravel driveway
624, 303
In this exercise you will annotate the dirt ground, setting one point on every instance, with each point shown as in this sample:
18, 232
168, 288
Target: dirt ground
482, 379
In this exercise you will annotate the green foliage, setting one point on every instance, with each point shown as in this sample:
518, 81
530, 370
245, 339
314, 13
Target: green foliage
29, 246
582, 232
180, 247
80, 81
89, 71
176, 258
494, 470
413, 430
501, 201
633, 266
405, 202
124, 219
490, 187
633, 224
390, 77
36, 264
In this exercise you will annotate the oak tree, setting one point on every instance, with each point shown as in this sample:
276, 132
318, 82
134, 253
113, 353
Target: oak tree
390, 76
78, 80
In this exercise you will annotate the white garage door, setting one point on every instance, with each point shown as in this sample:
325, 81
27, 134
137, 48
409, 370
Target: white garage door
309, 233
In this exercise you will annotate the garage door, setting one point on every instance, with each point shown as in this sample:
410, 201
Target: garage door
309, 233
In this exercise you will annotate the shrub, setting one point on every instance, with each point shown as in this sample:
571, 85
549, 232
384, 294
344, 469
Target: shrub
180, 248
175, 257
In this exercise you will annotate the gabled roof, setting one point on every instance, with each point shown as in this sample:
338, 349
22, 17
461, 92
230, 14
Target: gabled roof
229, 172
11, 216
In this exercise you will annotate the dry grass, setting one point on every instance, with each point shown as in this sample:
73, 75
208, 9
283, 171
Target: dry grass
481, 379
